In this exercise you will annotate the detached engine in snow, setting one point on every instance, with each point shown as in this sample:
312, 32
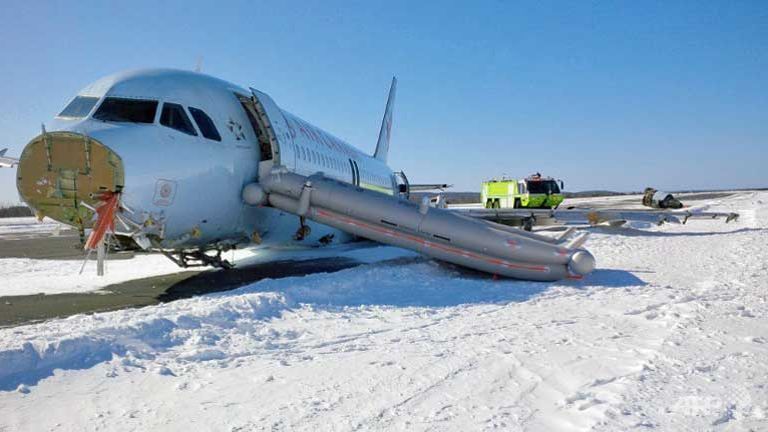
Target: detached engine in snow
658, 199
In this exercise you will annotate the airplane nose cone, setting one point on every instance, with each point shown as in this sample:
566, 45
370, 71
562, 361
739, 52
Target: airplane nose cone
581, 263
58, 171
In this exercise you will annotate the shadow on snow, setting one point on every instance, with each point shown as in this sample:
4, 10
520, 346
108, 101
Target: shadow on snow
420, 282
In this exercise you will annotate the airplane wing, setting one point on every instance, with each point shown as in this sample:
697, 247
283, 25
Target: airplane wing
428, 187
615, 217
8, 162
5, 161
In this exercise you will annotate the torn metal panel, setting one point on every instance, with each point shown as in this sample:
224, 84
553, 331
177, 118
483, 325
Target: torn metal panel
62, 174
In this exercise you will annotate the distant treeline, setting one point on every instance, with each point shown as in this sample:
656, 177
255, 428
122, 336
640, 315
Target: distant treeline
474, 197
450, 197
598, 193
15, 211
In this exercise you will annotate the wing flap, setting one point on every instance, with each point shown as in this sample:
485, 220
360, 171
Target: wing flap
592, 217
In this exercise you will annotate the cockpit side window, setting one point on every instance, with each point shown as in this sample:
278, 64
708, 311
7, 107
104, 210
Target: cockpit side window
174, 117
79, 107
115, 109
205, 124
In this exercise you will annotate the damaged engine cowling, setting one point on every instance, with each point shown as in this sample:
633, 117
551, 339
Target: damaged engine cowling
658, 199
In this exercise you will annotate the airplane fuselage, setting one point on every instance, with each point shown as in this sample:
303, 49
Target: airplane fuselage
181, 177
185, 163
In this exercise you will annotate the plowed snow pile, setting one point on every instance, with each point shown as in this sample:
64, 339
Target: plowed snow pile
669, 333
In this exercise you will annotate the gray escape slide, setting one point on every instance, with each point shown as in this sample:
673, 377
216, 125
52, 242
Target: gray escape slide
434, 232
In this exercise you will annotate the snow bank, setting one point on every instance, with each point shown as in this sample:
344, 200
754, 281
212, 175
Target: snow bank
81, 342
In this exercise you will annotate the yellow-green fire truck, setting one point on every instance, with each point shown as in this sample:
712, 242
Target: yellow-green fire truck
532, 192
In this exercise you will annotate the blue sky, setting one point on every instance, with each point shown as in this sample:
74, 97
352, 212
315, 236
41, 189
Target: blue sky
605, 95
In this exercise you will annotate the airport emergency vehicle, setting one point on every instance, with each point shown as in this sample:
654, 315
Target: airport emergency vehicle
533, 191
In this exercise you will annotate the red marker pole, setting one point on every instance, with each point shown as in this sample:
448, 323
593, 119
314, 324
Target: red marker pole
105, 222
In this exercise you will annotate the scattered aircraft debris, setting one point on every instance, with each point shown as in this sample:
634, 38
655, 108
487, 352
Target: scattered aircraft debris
658, 199
528, 218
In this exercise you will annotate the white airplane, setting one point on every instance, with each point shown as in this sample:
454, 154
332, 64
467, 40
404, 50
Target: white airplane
191, 165
187, 164
6, 161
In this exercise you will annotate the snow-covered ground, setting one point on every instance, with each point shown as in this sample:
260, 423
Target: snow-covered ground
29, 225
669, 333
25, 276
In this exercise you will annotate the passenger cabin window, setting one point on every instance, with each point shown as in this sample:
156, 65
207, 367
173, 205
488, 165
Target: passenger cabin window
205, 124
79, 107
126, 110
174, 117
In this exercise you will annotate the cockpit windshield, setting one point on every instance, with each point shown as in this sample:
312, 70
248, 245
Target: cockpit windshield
115, 109
79, 107
543, 187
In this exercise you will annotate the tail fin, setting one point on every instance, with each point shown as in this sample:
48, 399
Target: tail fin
382, 146
2, 152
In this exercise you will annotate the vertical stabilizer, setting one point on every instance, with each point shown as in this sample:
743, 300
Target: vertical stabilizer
382, 146
2, 152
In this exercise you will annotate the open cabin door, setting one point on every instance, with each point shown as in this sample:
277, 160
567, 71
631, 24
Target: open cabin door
267, 122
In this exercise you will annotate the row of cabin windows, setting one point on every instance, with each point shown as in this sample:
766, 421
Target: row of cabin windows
375, 179
319, 158
330, 162
143, 111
